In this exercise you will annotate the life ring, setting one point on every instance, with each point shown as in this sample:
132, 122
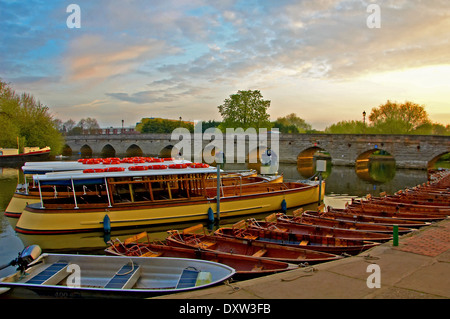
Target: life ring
168, 159
138, 168
91, 161
157, 167
115, 169
199, 165
158, 160
96, 170
178, 166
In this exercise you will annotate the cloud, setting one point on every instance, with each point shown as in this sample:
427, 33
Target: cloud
180, 53
93, 57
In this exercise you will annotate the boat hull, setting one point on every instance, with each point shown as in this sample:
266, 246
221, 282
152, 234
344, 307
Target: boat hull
157, 276
246, 267
243, 247
24, 157
331, 245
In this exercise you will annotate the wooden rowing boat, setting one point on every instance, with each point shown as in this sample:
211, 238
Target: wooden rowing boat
347, 216
246, 267
318, 243
94, 276
306, 217
237, 246
392, 212
392, 206
318, 230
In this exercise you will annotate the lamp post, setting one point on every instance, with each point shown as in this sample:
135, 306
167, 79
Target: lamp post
364, 121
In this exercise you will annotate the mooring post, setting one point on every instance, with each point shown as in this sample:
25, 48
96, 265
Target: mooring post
218, 192
321, 166
395, 236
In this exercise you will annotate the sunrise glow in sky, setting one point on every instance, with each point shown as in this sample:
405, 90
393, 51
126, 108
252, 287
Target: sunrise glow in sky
171, 58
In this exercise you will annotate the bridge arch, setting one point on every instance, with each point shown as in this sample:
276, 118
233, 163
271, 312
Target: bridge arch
434, 160
108, 151
67, 150
263, 156
306, 161
134, 150
167, 151
85, 151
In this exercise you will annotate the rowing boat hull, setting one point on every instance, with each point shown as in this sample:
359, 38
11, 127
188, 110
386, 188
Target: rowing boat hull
243, 247
347, 215
37, 220
319, 230
331, 245
246, 267
309, 218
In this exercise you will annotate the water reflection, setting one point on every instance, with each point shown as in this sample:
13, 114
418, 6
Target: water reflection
376, 171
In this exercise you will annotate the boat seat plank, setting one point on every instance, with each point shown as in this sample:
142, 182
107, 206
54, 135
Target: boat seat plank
188, 278
206, 244
303, 243
51, 275
260, 253
152, 254
125, 278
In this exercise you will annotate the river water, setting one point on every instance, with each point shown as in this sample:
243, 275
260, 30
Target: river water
342, 183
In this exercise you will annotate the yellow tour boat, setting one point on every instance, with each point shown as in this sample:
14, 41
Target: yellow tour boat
144, 196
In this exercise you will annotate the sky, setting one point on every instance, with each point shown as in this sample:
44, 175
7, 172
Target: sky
325, 60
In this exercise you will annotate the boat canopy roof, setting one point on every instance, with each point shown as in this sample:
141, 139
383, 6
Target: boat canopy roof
59, 166
80, 177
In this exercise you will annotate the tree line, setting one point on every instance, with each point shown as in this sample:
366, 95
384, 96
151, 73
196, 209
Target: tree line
24, 121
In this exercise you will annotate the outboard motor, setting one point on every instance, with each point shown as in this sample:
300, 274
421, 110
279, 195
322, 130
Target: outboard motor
26, 256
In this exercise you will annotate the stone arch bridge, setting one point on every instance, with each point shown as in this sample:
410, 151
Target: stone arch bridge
409, 151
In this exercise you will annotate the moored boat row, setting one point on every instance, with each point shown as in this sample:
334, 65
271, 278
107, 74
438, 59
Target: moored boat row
248, 248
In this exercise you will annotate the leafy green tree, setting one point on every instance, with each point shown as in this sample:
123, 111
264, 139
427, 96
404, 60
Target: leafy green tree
26, 120
209, 124
432, 129
395, 118
291, 124
348, 127
158, 125
245, 109
89, 124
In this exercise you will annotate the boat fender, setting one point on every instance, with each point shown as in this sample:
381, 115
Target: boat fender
106, 224
284, 206
210, 215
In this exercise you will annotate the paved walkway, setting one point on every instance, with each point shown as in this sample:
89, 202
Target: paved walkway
419, 268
